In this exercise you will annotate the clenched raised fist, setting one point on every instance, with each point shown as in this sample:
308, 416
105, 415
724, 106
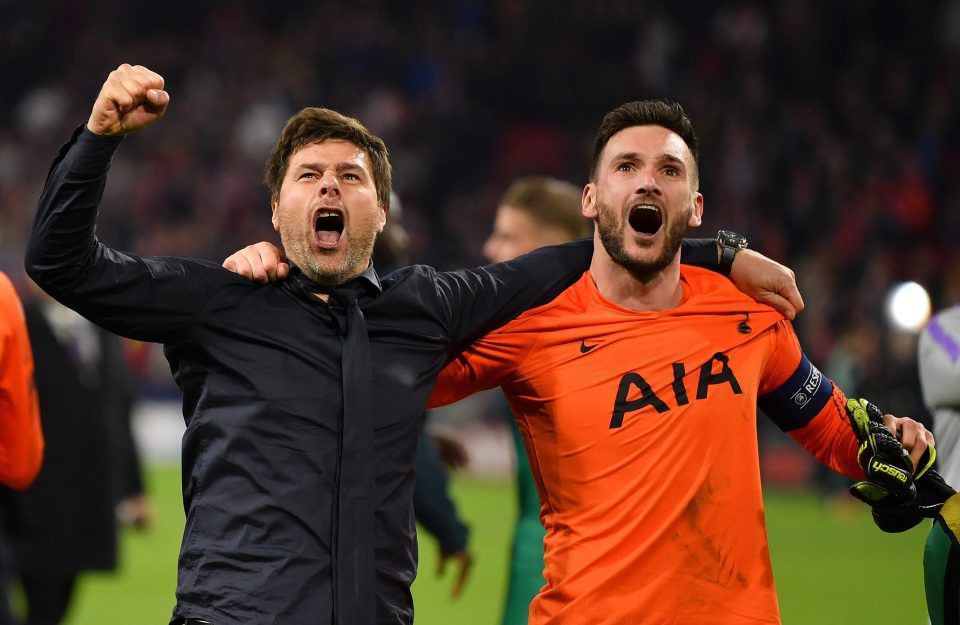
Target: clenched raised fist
132, 97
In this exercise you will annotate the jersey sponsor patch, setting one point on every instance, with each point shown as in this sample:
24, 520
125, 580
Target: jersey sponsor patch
798, 400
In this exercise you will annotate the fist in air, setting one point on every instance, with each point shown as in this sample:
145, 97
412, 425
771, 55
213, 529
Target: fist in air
131, 98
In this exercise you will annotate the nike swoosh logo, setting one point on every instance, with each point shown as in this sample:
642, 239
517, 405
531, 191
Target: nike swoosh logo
584, 348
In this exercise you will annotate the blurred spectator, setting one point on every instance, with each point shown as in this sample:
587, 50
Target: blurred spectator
939, 360
21, 441
66, 522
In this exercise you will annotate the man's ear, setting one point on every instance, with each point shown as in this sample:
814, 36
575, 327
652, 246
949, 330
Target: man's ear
384, 211
588, 201
696, 216
273, 216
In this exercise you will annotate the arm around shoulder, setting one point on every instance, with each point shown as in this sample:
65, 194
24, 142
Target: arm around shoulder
763, 279
476, 301
767, 281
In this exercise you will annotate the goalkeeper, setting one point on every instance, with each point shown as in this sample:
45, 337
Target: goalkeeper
636, 392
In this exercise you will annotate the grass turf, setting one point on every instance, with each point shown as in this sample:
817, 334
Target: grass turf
832, 565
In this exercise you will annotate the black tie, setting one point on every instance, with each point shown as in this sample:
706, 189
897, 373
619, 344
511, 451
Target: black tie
355, 576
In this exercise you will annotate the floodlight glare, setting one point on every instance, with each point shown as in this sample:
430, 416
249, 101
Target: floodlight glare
908, 307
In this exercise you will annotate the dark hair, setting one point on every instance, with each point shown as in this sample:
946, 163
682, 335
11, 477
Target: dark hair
315, 125
550, 201
670, 115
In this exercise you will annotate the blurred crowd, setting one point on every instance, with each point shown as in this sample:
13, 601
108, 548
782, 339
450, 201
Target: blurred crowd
829, 131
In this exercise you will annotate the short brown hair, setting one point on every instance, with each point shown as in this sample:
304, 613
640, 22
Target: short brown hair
550, 201
670, 115
315, 125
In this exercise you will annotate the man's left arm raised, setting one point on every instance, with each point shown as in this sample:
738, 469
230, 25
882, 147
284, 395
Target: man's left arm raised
141, 298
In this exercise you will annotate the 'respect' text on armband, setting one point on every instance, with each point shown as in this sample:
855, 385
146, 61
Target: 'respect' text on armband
798, 400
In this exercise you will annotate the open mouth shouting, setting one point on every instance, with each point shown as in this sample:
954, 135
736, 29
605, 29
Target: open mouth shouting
328, 226
645, 219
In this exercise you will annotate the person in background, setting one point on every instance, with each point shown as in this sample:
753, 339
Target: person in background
534, 211
938, 358
67, 521
21, 437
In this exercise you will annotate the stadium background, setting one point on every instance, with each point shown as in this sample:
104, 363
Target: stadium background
829, 137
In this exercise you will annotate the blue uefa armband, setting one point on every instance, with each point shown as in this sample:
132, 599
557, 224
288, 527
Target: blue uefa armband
798, 400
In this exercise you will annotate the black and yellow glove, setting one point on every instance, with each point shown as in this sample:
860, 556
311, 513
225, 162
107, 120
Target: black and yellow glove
899, 496
932, 492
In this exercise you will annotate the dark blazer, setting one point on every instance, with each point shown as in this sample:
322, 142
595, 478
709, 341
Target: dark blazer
66, 520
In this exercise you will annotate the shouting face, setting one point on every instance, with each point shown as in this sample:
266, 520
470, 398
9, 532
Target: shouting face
643, 198
327, 212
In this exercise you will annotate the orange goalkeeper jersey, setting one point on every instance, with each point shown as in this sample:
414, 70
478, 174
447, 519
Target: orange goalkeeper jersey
641, 431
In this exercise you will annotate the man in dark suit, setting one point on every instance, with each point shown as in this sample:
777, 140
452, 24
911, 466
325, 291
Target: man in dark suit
66, 522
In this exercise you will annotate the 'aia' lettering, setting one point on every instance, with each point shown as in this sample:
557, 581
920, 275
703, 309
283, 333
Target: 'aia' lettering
647, 398
622, 405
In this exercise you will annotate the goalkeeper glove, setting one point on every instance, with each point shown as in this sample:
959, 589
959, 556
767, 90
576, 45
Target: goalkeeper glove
889, 484
899, 497
932, 493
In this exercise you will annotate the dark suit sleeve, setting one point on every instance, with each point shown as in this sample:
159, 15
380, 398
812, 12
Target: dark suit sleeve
149, 299
700, 253
476, 301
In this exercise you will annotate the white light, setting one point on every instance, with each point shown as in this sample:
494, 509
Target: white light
908, 307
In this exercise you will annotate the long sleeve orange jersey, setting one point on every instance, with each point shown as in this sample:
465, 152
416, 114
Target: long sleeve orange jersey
641, 431
21, 441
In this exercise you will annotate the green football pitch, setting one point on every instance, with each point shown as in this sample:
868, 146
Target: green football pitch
832, 566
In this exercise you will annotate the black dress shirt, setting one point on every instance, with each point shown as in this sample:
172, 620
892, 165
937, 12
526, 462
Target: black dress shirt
261, 372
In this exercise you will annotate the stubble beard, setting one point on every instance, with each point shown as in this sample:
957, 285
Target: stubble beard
611, 229
300, 250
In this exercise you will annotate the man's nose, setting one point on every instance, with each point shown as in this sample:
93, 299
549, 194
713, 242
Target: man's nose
647, 183
329, 184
